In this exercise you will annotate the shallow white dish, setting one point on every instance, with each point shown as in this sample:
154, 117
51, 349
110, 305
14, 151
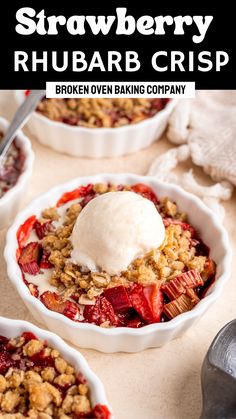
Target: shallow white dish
97, 142
12, 328
10, 202
126, 339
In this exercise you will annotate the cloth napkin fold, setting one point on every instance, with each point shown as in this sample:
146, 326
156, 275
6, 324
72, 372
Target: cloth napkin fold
207, 128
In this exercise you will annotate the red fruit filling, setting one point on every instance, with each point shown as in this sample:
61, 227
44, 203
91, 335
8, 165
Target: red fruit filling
11, 168
101, 312
28, 336
29, 259
24, 230
118, 297
133, 305
55, 303
44, 263
185, 226
42, 228
178, 285
145, 191
6, 360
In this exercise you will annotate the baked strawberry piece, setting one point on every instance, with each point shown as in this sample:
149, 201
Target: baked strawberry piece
148, 302
30, 257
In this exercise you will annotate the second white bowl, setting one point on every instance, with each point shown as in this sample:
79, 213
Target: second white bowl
97, 142
9, 203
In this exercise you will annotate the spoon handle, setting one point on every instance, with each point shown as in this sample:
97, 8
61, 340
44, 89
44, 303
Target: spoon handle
20, 118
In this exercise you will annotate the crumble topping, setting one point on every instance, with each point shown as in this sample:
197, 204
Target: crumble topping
100, 112
37, 382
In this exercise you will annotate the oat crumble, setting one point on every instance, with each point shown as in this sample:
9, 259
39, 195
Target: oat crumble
38, 383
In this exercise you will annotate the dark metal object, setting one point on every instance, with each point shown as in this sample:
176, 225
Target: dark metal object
218, 376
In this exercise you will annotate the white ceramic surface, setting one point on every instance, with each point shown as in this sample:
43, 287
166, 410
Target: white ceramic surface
9, 203
12, 328
97, 142
126, 339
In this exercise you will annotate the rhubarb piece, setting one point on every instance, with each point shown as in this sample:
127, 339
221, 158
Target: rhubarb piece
209, 270
185, 226
148, 302
180, 305
178, 285
55, 303
118, 297
44, 263
146, 192
101, 312
42, 229
87, 199
24, 231
29, 259
80, 192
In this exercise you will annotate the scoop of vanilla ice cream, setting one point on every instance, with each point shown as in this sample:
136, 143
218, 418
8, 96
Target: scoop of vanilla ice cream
114, 229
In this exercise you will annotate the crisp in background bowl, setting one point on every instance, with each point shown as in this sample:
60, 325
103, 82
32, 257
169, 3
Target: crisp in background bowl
13, 328
97, 142
10, 202
126, 339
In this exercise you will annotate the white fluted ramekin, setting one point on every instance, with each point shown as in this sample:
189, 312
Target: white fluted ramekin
126, 339
97, 142
12, 328
9, 203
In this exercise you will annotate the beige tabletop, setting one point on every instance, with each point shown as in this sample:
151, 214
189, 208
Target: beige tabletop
156, 383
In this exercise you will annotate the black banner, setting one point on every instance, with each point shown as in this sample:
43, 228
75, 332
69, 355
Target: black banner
166, 43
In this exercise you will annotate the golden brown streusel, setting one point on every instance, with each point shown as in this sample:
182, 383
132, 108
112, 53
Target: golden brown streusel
100, 112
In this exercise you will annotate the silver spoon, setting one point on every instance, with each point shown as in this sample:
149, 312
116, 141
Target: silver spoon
219, 376
21, 117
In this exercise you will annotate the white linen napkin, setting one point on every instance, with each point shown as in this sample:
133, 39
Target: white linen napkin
206, 126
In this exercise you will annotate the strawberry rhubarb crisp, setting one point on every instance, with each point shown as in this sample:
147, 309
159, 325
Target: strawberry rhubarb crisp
12, 168
38, 383
106, 113
114, 255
